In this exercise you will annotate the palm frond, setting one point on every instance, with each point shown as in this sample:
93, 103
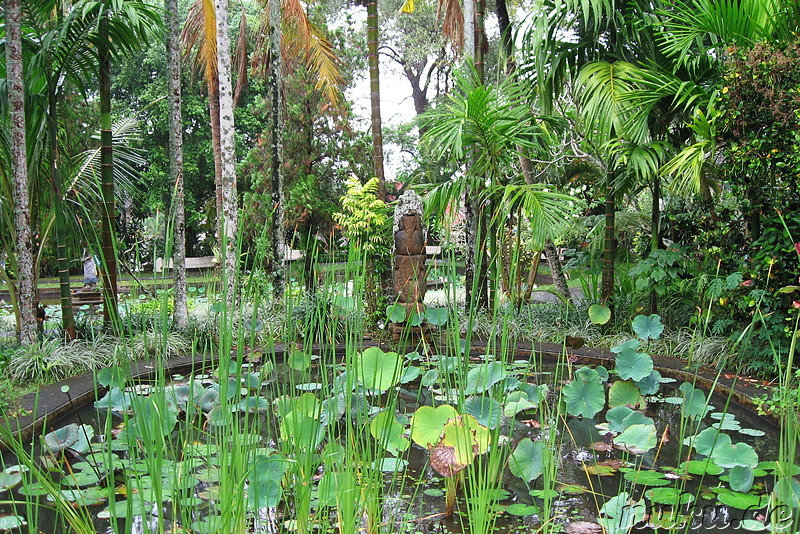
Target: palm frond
452, 17
547, 212
199, 32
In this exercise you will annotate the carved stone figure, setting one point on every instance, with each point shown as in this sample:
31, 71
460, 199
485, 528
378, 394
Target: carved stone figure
409, 255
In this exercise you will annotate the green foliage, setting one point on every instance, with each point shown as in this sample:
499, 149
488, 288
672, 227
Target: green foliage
659, 271
364, 217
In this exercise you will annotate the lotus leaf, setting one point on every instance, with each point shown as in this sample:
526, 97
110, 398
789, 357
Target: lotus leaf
379, 370
735, 454
633, 365
647, 326
741, 478
305, 432
621, 513
584, 398
338, 487
637, 439
700, 467
650, 384
396, 313
71, 436
707, 440
599, 313
428, 422
389, 433
483, 376
625, 393
694, 401
390, 465
522, 509
437, 316
527, 460
299, 360
669, 496
516, 402
10, 522
115, 400
487, 411
262, 495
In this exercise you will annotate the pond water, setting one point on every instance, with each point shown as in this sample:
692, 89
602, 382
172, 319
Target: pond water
291, 441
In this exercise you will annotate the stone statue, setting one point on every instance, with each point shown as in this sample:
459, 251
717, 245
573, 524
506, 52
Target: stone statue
409, 255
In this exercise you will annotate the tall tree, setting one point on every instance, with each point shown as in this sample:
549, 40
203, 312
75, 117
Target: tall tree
229, 216
373, 62
176, 159
26, 291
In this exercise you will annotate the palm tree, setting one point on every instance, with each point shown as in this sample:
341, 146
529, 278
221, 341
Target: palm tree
229, 216
176, 159
26, 291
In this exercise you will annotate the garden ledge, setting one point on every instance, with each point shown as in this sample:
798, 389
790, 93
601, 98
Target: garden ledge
55, 400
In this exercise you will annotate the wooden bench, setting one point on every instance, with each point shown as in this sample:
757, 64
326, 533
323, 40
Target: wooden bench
192, 264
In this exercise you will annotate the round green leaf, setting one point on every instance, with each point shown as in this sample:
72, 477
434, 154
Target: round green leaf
741, 478
599, 313
485, 410
298, 360
522, 509
527, 460
396, 313
632, 365
638, 439
483, 376
743, 501
646, 478
707, 440
376, 369
624, 393
701, 467
669, 496
437, 316
735, 454
648, 326
584, 399
427, 424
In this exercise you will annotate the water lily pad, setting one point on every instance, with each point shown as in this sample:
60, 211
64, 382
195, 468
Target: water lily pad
637, 439
433, 492
647, 326
428, 422
389, 433
633, 365
115, 400
741, 478
669, 496
754, 432
707, 440
430, 378
265, 494
390, 465
520, 509
410, 374
624, 393
646, 478
701, 467
621, 513
735, 454
9, 480
584, 396
379, 370
527, 460
743, 501
483, 376
9, 522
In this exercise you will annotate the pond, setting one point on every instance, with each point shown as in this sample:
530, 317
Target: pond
377, 441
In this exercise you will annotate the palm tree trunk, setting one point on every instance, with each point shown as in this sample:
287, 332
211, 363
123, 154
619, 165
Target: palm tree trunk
609, 249
26, 291
230, 216
655, 233
109, 272
67, 315
557, 271
276, 125
375, 95
213, 112
176, 160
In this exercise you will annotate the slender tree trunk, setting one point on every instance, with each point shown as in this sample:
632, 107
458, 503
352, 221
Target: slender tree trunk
655, 233
176, 160
480, 36
610, 246
276, 125
26, 290
109, 271
67, 315
557, 271
230, 216
213, 112
375, 94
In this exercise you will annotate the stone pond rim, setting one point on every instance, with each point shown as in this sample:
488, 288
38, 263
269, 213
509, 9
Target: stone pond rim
51, 403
